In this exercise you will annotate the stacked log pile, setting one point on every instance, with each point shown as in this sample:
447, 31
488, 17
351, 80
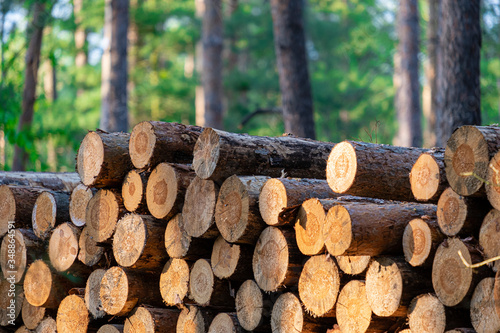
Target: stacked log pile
177, 228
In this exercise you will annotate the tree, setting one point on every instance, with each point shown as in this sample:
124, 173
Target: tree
458, 99
290, 47
406, 81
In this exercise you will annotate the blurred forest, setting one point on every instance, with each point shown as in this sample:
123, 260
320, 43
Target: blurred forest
350, 47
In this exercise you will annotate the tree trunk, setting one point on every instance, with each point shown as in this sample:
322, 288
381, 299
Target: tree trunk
420, 241
106, 64
428, 176
60, 181
458, 97
290, 48
426, 314
406, 79
72, 315
80, 35
253, 307
32, 62
482, 308
148, 319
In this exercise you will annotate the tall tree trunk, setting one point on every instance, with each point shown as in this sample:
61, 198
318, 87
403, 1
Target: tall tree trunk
406, 76
80, 35
290, 46
106, 65
32, 61
200, 94
212, 63
458, 99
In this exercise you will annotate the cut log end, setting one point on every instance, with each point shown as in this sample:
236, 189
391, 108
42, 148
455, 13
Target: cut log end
44, 215
48, 325
102, 215
191, 320
338, 230
483, 314
493, 181
32, 315
129, 240
384, 286
108, 328
224, 323
177, 241
224, 258
145, 319
249, 305
451, 212
417, 242
7, 208
206, 153
489, 235
13, 255
79, 200
201, 282
353, 265
174, 281
38, 283
341, 167
287, 315
142, 144
161, 190
199, 207
90, 254
132, 190
90, 158
272, 200
425, 177
353, 310
72, 315
426, 314
63, 246
92, 294
309, 227
114, 292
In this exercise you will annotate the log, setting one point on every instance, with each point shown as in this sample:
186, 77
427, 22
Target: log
492, 184
252, 309
361, 169
353, 310
11, 302
90, 253
174, 281
92, 294
218, 155
63, 250
206, 289
166, 189
78, 202
279, 193
16, 206
225, 323
32, 315
122, 289
154, 142
199, 208
103, 212
426, 314
180, 245
55, 181
420, 241
138, 243
391, 284
488, 237
237, 210
146, 319
108, 328
460, 215
103, 159
50, 209
496, 293
48, 325
309, 227
483, 315
192, 319
467, 155
230, 261
371, 229
21, 329
134, 191
276, 259
353, 265
428, 176
72, 315
461, 330
319, 285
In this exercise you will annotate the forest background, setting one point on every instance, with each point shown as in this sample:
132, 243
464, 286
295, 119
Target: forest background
351, 46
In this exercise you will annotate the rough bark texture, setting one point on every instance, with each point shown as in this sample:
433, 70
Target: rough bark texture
60, 181
50, 209
16, 206
290, 48
489, 234
72, 315
78, 201
10, 303
174, 280
458, 99
148, 319
482, 308
428, 176
252, 308
420, 241
230, 261
134, 191
426, 314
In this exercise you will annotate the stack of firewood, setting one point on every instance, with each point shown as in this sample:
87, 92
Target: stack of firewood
177, 228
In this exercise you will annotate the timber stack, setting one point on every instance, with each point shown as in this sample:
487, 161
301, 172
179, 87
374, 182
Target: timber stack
177, 228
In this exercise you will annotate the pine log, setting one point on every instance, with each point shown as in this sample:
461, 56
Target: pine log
92, 294
218, 155
460, 215
134, 191
206, 289
391, 284
276, 259
467, 156
461, 330
489, 234
72, 315
309, 227
252, 309
103, 212
492, 183
483, 315
279, 193
63, 250
122, 289
18, 249
360, 168
90, 254
420, 241
108, 328
21, 329
103, 159
237, 211
353, 265
138, 243
230, 261
225, 323
48, 325
180, 245
174, 281
55, 181
428, 177
426, 314
16, 206
11, 302
319, 285
496, 293
50, 209
192, 320
154, 142
78, 202
166, 189
199, 208
145, 319
32, 315
372, 229
353, 310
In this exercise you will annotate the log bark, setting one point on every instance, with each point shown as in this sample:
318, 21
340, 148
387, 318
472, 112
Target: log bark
237, 213
206, 289
108, 328
372, 229
180, 245
253, 308
428, 176
138, 243
16, 206
145, 319
460, 215
103, 159
230, 261
134, 191
50, 209
319, 285
166, 189
426, 313
483, 315
92, 294
90, 253
218, 155
199, 209
225, 323
63, 250
488, 237
78, 202
309, 227
279, 193
10, 303
54, 181
353, 265
103, 212
48, 325
420, 241
467, 156
276, 260
154, 142
174, 281
32, 315
72, 315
